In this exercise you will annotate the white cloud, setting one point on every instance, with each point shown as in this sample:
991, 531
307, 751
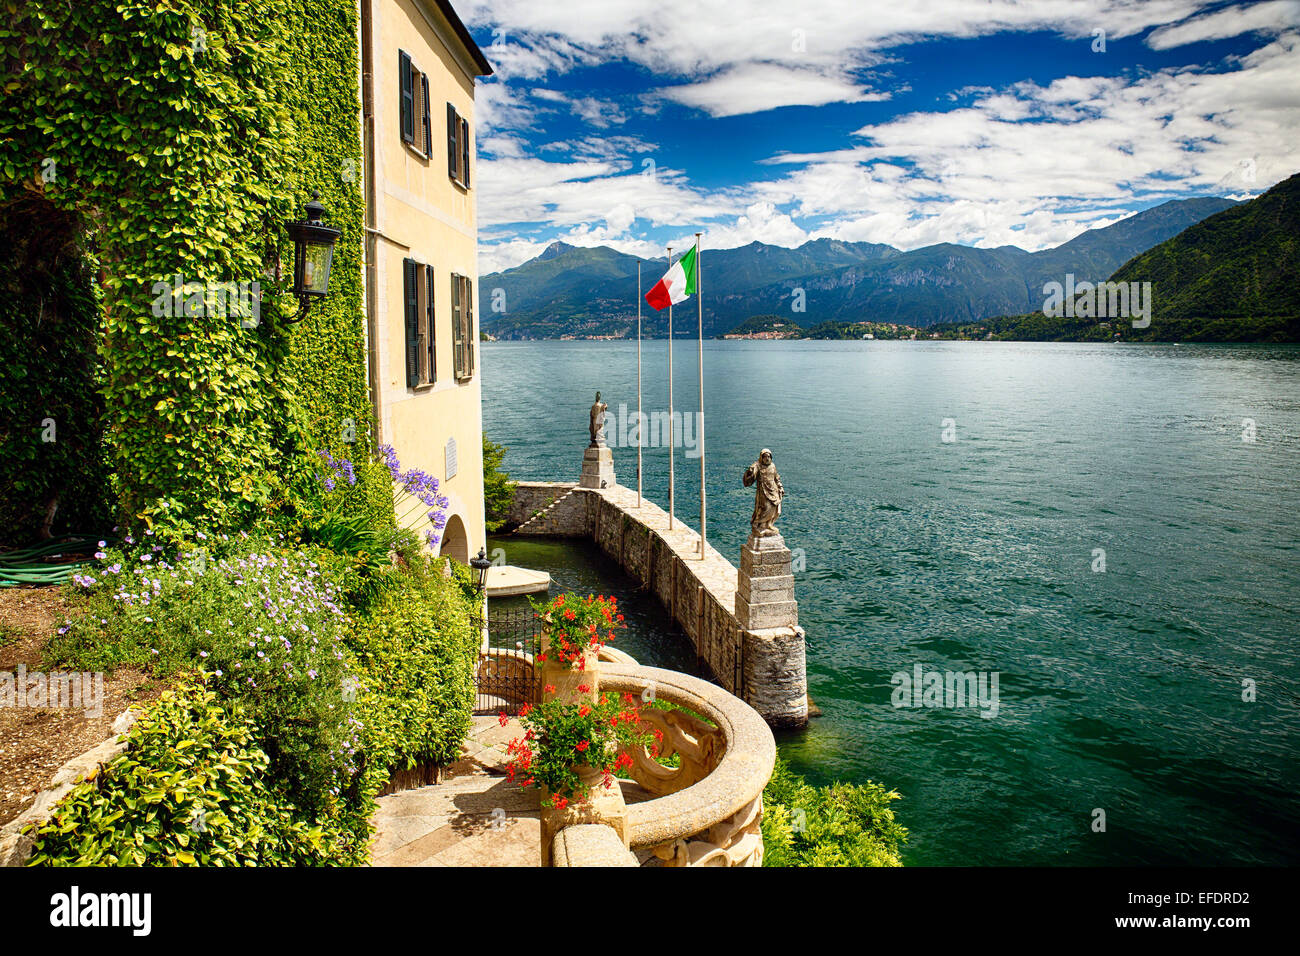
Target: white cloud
819, 44
761, 222
755, 87
1031, 165
523, 190
1271, 17
1095, 148
598, 113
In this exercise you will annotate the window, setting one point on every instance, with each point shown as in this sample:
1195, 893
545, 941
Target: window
457, 147
421, 355
462, 325
415, 104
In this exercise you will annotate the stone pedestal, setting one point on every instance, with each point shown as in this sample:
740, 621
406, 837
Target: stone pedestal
776, 675
765, 585
597, 467
604, 806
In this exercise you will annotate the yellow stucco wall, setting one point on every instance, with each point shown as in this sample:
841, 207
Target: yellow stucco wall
420, 213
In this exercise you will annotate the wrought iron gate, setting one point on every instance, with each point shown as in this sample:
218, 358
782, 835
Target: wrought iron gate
506, 678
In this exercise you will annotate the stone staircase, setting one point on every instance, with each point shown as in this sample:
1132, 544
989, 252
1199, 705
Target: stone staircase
545, 521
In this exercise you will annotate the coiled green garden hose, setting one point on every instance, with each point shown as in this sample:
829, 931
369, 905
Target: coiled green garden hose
39, 564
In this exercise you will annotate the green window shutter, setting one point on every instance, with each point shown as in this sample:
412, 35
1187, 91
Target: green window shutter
457, 328
464, 152
433, 338
412, 323
453, 124
470, 338
428, 123
408, 96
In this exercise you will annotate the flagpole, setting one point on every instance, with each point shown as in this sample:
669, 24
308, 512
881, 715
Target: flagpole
699, 299
672, 438
639, 419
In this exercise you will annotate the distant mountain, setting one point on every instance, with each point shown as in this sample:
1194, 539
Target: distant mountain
579, 291
556, 248
1242, 263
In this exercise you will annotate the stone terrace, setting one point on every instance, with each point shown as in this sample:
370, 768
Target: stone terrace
474, 817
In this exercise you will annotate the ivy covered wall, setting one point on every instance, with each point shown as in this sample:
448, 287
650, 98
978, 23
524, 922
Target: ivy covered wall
327, 358
177, 136
53, 474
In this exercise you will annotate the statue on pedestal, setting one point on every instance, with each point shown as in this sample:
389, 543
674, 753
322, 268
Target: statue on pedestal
597, 424
767, 496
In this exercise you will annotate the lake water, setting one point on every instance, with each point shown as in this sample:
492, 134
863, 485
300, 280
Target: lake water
1120, 691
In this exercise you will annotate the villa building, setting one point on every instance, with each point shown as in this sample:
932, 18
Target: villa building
418, 68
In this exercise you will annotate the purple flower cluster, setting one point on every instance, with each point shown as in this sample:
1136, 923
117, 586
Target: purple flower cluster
339, 468
266, 625
413, 484
424, 488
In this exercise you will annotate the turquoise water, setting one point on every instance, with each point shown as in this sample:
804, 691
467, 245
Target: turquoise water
1121, 690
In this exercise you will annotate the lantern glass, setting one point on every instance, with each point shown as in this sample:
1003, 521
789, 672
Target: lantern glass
315, 277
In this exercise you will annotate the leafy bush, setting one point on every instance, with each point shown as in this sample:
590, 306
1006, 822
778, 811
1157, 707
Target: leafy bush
414, 654
192, 787
498, 489
842, 824
341, 690
267, 626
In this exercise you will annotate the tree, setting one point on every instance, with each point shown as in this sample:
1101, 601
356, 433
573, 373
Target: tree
498, 489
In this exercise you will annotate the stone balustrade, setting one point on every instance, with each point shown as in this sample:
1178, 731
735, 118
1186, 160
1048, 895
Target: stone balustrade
705, 811
760, 658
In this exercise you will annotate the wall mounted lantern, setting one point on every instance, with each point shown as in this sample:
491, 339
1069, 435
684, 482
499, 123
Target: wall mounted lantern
480, 565
313, 253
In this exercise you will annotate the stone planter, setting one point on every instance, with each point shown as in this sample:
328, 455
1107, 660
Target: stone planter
566, 679
603, 806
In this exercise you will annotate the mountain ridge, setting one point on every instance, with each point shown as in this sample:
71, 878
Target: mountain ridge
590, 291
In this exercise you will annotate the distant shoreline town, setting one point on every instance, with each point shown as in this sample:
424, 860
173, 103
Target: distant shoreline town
1032, 327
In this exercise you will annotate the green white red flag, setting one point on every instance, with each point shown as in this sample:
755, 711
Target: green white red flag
677, 284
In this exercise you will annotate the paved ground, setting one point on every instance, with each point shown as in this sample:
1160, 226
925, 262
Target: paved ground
474, 817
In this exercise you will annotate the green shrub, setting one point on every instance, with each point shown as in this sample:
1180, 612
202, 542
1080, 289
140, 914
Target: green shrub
498, 489
842, 824
344, 681
414, 653
192, 787
266, 624
332, 509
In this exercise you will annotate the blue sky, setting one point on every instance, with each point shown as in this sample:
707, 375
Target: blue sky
633, 124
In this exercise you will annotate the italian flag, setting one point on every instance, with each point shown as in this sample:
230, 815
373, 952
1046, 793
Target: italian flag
678, 283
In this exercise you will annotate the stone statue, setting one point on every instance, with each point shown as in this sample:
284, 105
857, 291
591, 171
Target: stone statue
598, 422
767, 496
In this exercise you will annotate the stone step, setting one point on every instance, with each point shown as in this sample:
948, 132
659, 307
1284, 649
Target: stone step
545, 511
